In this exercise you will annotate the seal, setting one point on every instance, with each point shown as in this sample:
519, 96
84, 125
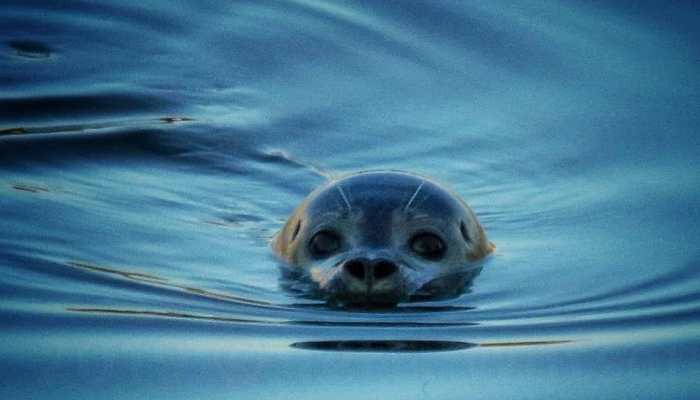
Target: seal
383, 237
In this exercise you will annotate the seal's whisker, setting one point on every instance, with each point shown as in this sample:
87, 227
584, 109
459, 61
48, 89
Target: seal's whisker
345, 198
413, 197
372, 255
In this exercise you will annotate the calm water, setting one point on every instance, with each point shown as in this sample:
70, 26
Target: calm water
149, 151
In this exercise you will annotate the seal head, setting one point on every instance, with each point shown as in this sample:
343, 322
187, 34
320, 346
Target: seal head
378, 238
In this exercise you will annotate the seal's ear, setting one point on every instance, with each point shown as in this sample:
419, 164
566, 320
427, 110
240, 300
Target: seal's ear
482, 246
284, 243
487, 246
295, 233
282, 240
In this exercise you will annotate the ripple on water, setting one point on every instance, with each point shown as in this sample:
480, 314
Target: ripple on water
73, 106
149, 151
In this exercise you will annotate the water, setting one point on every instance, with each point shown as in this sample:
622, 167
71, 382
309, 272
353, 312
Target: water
150, 150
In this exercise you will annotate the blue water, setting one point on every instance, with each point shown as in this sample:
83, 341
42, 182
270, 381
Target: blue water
149, 151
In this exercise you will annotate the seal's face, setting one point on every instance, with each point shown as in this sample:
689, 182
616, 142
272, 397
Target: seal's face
382, 238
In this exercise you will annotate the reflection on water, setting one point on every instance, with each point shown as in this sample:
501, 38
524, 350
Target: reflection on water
339, 323
151, 279
384, 346
148, 153
170, 314
298, 283
409, 346
137, 276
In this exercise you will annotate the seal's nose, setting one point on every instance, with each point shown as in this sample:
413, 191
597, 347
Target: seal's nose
370, 271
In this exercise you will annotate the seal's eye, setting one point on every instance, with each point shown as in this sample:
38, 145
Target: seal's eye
324, 243
428, 246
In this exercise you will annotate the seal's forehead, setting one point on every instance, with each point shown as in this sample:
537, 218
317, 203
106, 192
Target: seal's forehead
382, 192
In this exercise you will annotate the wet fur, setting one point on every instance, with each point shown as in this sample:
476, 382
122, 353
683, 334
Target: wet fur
288, 244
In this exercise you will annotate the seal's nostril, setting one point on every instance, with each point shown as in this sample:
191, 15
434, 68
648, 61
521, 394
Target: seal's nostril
355, 268
382, 269
367, 271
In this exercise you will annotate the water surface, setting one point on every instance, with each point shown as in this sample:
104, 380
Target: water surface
148, 153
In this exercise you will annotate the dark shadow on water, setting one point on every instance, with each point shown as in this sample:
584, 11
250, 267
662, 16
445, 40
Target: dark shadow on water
134, 141
30, 48
71, 106
402, 308
384, 346
409, 346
